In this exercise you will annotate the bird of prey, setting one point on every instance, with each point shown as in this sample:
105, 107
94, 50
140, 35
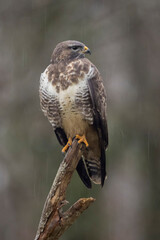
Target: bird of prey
73, 98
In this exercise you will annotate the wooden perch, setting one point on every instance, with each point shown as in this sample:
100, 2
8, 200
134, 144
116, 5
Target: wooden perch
53, 221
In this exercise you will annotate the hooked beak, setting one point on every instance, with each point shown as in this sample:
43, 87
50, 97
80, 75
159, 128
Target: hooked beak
86, 50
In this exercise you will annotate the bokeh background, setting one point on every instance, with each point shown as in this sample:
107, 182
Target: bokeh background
124, 37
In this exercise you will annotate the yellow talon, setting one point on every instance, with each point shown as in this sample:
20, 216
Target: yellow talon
69, 143
82, 139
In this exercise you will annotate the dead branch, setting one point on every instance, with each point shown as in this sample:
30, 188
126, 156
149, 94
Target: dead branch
54, 221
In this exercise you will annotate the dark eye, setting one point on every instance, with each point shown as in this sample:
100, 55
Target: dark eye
75, 47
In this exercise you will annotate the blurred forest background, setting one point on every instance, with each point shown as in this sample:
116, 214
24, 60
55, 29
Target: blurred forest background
124, 37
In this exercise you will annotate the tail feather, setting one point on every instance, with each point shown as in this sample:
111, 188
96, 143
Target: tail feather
81, 169
94, 170
103, 165
97, 168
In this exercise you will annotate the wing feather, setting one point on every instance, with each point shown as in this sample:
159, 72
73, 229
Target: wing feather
98, 99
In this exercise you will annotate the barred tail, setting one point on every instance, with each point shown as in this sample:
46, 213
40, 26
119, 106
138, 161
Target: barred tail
96, 168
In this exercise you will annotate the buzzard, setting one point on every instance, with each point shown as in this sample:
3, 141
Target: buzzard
73, 98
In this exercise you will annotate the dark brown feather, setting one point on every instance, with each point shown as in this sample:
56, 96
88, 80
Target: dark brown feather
98, 97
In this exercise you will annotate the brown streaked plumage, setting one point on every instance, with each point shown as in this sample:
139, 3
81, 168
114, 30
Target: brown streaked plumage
72, 96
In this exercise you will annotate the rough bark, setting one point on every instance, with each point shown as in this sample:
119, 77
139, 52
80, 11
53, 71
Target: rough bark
54, 221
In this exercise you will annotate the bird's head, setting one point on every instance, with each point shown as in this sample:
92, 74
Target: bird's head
68, 51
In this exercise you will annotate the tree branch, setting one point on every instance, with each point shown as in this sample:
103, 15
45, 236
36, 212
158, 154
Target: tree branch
53, 221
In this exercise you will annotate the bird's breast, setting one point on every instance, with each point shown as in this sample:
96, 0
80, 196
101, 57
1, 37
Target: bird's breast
72, 119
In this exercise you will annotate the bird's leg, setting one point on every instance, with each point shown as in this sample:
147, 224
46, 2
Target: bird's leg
69, 143
82, 139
